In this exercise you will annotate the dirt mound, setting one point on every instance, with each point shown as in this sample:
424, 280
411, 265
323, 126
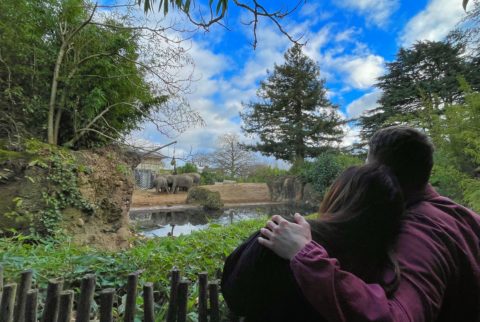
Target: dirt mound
229, 193
83, 194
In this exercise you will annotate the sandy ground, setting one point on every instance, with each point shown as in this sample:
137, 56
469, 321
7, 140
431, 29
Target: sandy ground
230, 194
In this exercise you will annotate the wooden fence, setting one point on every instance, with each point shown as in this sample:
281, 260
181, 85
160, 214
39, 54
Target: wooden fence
19, 302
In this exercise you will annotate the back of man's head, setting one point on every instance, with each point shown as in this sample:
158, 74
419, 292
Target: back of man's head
407, 151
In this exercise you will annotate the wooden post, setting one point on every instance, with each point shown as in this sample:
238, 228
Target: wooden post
182, 301
31, 306
218, 273
130, 302
202, 297
214, 308
24, 287
66, 306
148, 304
106, 305
172, 304
87, 288
8, 300
1, 278
50, 312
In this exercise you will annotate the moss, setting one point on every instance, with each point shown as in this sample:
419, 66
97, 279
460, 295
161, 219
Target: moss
6, 155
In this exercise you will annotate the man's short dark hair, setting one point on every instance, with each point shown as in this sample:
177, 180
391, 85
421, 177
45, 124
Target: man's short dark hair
407, 151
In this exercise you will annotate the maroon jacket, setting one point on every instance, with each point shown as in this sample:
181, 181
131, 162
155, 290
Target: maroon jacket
438, 251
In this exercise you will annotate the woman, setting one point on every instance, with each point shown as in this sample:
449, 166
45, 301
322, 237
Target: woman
358, 222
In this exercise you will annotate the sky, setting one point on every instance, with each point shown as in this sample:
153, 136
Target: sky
351, 40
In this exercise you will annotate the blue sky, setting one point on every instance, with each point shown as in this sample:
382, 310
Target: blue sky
350, 39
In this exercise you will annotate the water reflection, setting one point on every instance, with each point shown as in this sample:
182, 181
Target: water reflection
180, 222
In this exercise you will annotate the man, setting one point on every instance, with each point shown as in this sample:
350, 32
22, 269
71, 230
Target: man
438, 249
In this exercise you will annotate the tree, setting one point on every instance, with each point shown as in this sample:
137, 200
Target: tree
108, 76
231, 157
293, 119
216, 13
426, 72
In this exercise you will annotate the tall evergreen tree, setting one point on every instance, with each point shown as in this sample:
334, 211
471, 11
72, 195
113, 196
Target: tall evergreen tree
294, 118
426, 72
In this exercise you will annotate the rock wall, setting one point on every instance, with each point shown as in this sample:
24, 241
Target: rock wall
104, 180
292, 189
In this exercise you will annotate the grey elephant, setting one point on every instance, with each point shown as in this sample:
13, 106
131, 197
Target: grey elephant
170, 178
161, 184
182, 181
196, 178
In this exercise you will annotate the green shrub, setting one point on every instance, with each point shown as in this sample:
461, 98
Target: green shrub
263, 173
210, 200
187, 168
201, 251
471, 195
210, 177
447, 180
321, 172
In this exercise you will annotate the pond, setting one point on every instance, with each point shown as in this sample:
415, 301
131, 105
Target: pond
181, 221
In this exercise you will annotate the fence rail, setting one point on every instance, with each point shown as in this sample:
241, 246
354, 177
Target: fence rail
19, 302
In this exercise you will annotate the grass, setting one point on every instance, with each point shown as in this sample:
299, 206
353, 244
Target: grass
201, 251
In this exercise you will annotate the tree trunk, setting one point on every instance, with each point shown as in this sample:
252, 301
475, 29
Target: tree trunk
53, 94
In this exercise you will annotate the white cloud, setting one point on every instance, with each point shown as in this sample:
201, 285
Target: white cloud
364, 71
433, 23
352, 135
377, 12
362, 104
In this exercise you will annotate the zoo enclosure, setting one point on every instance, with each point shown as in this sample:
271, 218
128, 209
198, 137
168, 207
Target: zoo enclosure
19, 302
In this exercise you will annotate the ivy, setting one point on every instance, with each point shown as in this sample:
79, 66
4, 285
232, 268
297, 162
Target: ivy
63, 192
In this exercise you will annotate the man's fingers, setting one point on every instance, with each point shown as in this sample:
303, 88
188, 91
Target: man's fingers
266, 232
265, 242
271, 225
278, 219
299, 219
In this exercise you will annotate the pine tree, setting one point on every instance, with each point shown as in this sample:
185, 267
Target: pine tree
426, 73
293, 118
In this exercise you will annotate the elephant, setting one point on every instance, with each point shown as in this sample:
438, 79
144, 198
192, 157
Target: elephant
182, 181
196, 178
161, 183
170, 178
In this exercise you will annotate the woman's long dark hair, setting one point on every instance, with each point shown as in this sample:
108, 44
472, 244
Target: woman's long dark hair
359, 221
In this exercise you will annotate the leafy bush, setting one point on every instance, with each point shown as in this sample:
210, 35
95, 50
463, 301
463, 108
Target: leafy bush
472, 193
210, 200
447, 180
200, 251
187, 168
210, 177
321, 172
263, 173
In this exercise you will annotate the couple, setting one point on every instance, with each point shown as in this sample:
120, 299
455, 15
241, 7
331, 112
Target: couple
387, 247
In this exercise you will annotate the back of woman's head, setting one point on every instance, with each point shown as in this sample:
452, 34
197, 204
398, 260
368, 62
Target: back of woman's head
361, 214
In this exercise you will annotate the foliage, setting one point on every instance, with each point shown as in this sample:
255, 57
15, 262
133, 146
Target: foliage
261, 173
426, 72
457, 159
201, 251
209, 176
293, 118
59, 192
81, 83
210, 200
321, 172
187, 168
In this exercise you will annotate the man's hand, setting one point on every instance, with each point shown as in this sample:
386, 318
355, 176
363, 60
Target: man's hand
286, 239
